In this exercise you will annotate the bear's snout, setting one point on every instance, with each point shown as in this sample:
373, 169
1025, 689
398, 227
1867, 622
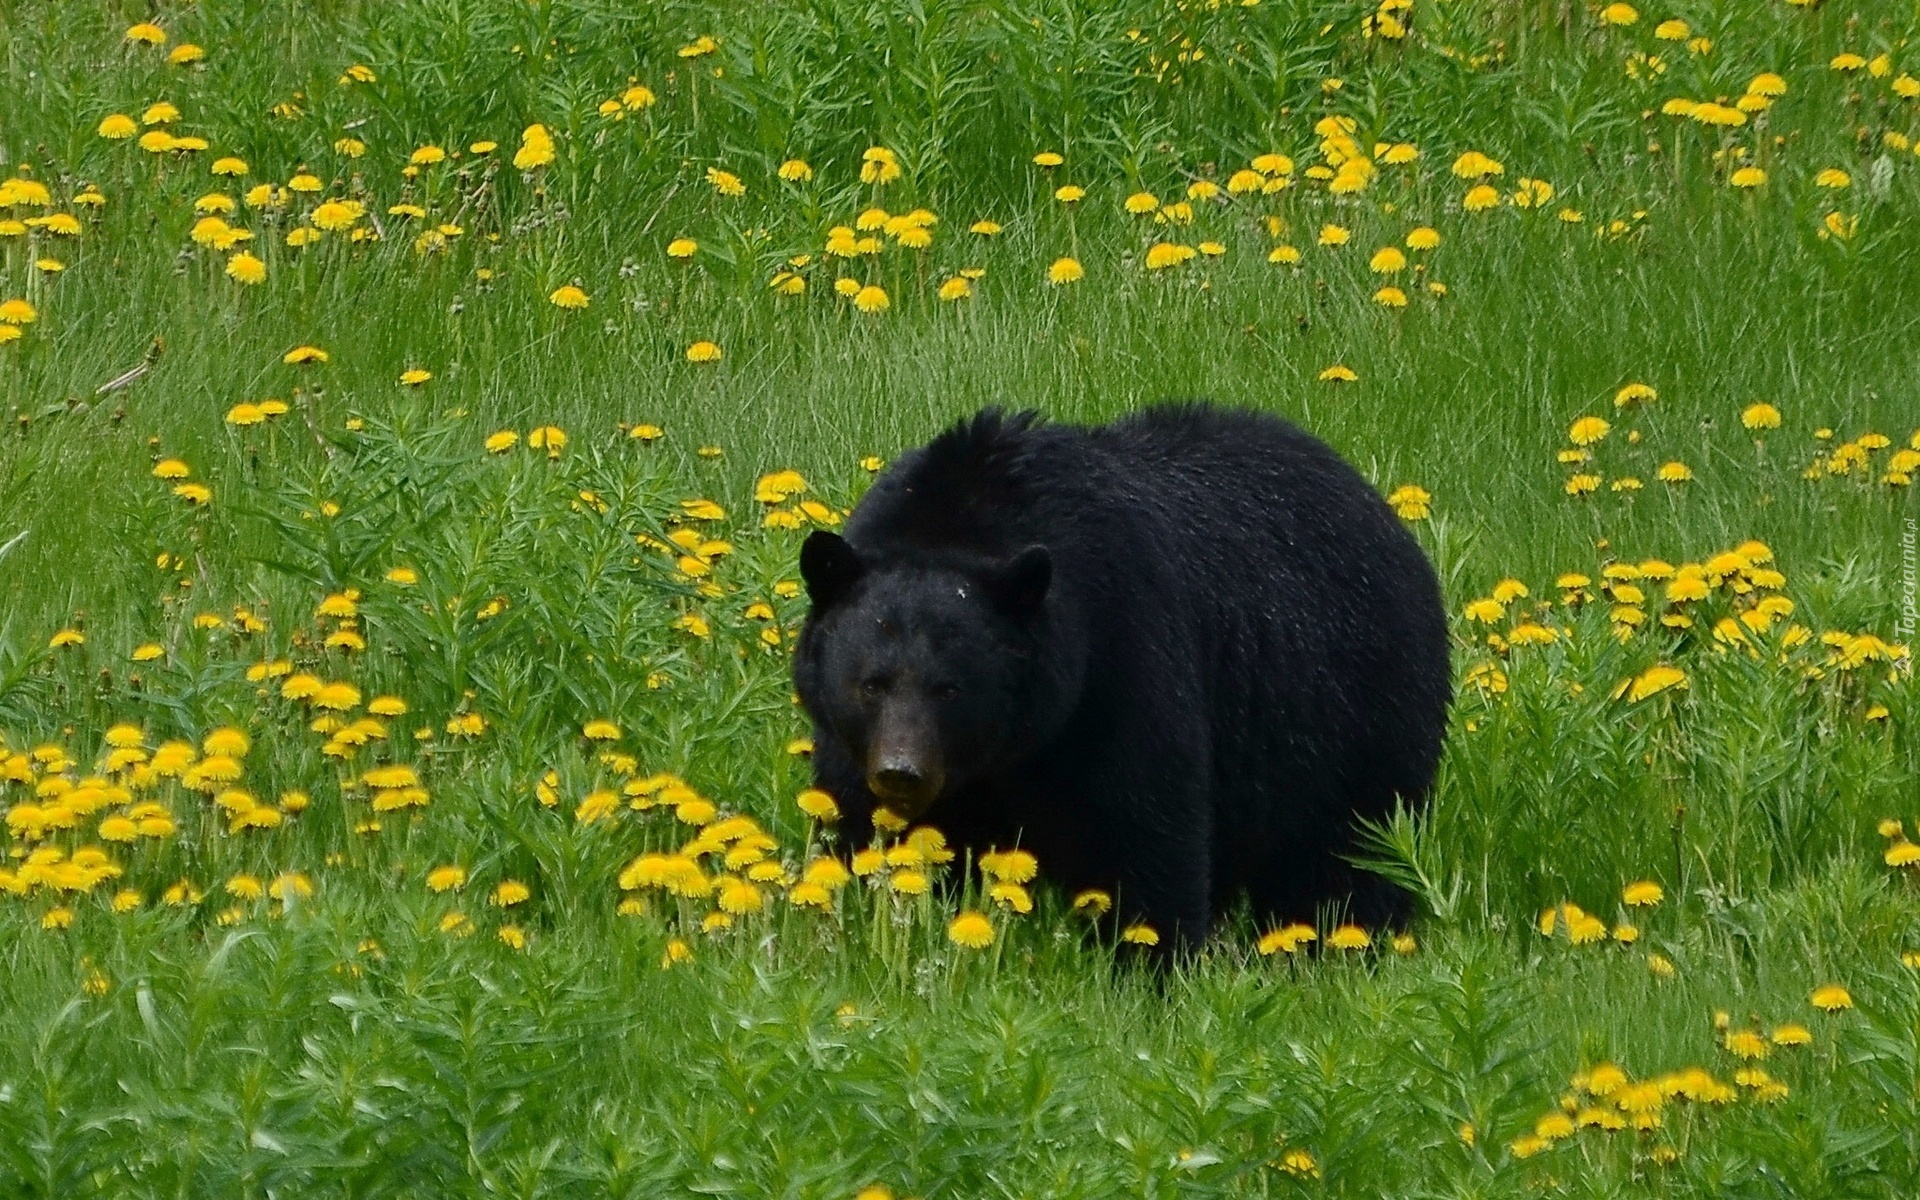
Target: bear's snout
903, 787
903, 767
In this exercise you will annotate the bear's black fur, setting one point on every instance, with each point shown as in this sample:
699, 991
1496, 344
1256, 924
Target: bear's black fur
1175, 657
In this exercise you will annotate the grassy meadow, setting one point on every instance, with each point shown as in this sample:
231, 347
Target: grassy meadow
412, 415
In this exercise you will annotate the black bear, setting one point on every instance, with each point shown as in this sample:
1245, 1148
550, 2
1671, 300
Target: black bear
1175, 657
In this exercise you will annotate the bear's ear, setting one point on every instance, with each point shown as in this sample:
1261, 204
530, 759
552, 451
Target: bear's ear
829, 566
1019, 585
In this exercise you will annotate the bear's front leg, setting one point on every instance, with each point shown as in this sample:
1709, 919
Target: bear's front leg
838, 773
1150, 816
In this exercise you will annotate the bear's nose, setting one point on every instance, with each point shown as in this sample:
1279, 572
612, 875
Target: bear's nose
897, 781
903, 785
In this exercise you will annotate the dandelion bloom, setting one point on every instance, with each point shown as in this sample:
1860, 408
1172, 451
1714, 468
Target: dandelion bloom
1138, 204
1048, 158
305, 354
1092, 903
704, 352
1387, 260
600, 731
1643, 893
973, 930
1339, 373
447, 878
247, 269
1588, 430
1334, 235
739, 898
1652, 681
1634, 393
1162, 255
337, 216
1140, 934
1619, 14
1411, 502
1831, 998
957, 288
878, 165
819, 805
1760, 416
1065, 270
118, 127
536, 148
1791, 1035
1748, 177
1009, 866
1480, 198
795, 170
1288, 939
1390, 297
871, 299
684, 247
1349, 937
568, 296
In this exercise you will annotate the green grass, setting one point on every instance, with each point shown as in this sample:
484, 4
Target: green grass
377, 1038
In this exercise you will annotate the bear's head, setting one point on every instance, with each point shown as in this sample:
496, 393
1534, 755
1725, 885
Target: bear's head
931, 672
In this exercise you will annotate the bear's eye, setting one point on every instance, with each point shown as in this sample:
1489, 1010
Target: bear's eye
873, 685
944, 691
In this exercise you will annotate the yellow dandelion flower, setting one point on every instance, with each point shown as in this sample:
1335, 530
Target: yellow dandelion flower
1349, 937
1831, 998
446, 878
1092, 903
536, 148
973, 930
1643, 893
